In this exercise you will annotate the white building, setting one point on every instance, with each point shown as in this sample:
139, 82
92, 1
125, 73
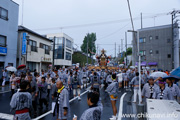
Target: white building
37, 54
63, 49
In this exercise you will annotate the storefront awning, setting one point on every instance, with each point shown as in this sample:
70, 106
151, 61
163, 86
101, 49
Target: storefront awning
152, 63
142, 63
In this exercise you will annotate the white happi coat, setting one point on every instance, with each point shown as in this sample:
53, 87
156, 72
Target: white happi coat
93, 113
20, 101
147, 90
63, 101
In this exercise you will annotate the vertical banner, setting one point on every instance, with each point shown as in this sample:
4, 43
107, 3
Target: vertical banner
24, 44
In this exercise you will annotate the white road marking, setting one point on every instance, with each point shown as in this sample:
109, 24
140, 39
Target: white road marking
6, 116
5, 91
80, 95
10, 117
121, 106
43, 115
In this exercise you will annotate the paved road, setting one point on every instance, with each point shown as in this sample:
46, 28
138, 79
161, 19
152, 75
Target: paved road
78, 107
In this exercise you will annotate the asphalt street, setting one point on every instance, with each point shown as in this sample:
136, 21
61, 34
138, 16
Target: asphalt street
78, 107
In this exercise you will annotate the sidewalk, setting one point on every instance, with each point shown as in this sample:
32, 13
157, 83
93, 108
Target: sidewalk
5, 89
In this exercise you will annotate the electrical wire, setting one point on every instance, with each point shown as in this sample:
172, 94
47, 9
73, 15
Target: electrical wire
100, 23
113, 32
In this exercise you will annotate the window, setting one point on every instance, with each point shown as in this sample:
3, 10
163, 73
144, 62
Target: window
58, 40
143, 52
168, 40
3, 13
68, 43
68, 56
10, 64
150, 37
157, 52
142, 40
59, 48
169, 55
45, 47
157, 37
59, 52
31, 65
33, 45
151, 52
2, 41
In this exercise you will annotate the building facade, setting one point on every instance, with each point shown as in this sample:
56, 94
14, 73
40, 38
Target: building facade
63, 49
8, 33
156, 47
34, 50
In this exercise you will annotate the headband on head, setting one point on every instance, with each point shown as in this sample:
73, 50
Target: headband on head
161, 82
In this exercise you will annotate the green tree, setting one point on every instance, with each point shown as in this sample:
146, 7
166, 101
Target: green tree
90, 38
129, 51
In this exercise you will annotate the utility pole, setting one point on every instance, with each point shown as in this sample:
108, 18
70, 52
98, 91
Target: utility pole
139, 66
115, 50
92, 53
141, 22
97, 49
87, 48
53, 51
172, 38
121, 46
22, 12
126, 46
175, 44
139, 62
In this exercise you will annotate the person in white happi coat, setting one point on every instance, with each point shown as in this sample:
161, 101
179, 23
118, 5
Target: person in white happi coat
70, 77
94, 112
43, 74
49, 83
62, 108
174, 89
135, 84
65, 78
38, 78
144, 78
112, 90
108, 78
120, 79
125, 79
13, 80
53, 90
76, 85
53, 74
21, 102
95, 82
43, 93
162, 92
4, 76
84, 77
149, 88
103, 76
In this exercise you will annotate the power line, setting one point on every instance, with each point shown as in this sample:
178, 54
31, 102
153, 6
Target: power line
113, 32
100, 23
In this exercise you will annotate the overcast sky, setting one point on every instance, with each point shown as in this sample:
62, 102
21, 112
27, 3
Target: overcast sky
41, 14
